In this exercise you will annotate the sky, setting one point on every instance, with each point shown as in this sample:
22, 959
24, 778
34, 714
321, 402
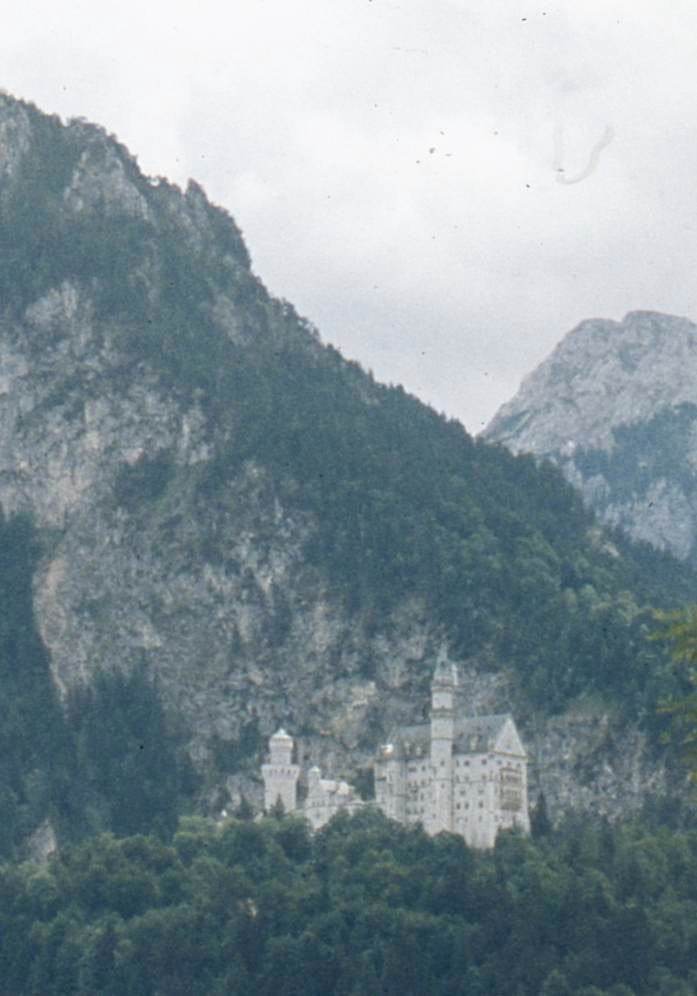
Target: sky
443, 187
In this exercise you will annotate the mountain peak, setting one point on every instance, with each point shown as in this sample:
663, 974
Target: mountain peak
603, 374
614, 405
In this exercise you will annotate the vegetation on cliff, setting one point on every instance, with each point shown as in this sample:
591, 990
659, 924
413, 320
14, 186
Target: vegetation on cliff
108, 758
679, 629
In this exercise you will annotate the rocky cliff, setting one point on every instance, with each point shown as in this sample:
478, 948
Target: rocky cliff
615, 407
168, 475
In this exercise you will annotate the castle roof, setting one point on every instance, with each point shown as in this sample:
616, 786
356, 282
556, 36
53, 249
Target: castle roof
476, 734
472, 735
328, 786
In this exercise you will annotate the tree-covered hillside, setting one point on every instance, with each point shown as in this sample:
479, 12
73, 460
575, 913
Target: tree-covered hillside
365, 907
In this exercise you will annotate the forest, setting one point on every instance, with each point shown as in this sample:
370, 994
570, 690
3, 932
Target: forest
365, 906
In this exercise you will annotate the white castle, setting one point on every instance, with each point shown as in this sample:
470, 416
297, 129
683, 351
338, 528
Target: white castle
463, 774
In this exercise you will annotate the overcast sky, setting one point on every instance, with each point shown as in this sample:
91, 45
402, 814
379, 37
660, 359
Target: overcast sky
443, 187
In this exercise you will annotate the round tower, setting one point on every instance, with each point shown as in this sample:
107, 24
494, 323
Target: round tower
280, 774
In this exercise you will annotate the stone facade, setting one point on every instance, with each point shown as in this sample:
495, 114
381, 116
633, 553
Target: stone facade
280, 774
462, 774
325, 797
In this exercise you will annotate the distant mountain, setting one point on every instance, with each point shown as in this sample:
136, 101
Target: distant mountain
227, 515
615, 407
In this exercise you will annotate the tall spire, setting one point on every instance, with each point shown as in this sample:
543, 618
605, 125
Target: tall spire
443, 691
445, 673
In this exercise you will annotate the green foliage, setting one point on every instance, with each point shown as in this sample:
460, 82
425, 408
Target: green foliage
643, 453
110, 760
364, 906
34, 744
134, 773
229, 755
679, 629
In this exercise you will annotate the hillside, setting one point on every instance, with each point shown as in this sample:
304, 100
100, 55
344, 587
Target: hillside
233, 522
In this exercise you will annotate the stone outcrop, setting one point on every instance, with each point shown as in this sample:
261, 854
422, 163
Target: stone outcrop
615, 407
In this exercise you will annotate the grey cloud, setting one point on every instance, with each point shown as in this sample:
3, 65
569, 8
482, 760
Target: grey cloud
453, 270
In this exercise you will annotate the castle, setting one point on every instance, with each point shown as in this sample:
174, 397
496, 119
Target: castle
325, 796
463, 774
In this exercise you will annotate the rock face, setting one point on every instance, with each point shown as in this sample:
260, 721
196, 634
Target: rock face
615, 407
143, 562
151, 556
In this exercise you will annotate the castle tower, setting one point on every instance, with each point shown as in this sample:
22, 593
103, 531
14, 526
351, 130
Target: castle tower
391, 783
443, 696
280, 774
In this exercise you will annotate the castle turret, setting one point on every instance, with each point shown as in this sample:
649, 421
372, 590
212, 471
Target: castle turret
443, 696
280, 774
391, 782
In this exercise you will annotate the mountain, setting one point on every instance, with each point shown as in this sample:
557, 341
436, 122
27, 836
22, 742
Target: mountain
615, 407
220, 525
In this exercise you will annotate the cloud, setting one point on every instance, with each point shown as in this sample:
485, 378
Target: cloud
394, 166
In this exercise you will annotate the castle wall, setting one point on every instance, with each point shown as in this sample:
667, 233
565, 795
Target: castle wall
391, 787
280, 782
487, 792
325, 798
418, 790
